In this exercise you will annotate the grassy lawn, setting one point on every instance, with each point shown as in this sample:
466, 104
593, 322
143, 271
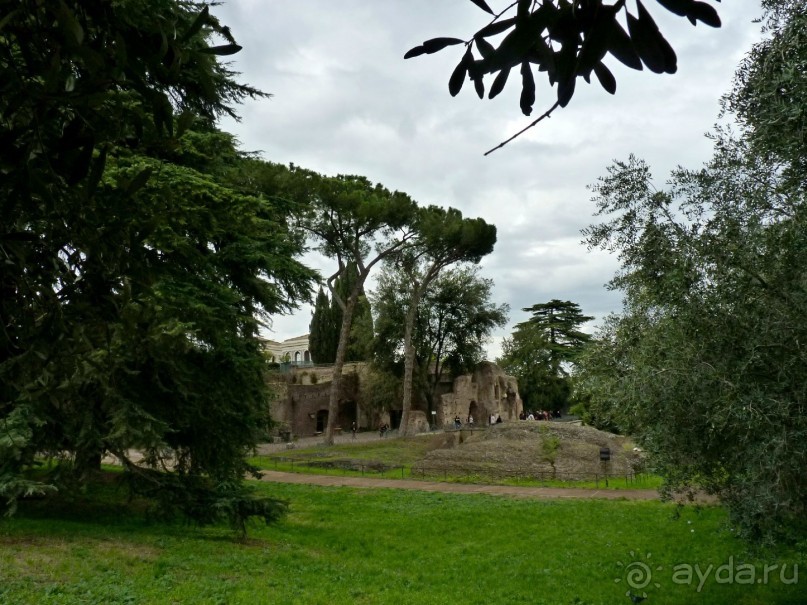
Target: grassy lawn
340, 545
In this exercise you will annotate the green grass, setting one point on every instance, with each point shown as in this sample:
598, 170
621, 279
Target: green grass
340, 545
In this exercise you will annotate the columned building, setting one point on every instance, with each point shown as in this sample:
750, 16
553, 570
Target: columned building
293, 350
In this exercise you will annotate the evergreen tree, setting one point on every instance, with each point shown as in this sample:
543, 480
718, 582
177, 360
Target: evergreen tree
541, 351
558, 322
360, 347
136, 264
323, 330
361, 331
358, 224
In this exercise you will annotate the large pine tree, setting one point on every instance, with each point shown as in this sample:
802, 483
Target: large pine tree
541, 350
136, 263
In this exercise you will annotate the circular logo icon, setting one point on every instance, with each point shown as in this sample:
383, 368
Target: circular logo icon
638, 574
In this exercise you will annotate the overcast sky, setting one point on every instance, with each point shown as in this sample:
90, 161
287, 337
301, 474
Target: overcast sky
346, 102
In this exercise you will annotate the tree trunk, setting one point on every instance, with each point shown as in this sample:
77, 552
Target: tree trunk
409, 362
87, 462
341, 352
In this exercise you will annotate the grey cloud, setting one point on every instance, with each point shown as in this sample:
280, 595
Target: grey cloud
345, 101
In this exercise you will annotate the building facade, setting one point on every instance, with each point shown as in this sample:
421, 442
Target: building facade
294, 351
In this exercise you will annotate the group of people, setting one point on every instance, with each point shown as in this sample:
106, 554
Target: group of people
494, 419
383, 428
538, 415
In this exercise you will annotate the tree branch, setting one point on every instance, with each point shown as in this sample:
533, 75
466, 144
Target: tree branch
546, 114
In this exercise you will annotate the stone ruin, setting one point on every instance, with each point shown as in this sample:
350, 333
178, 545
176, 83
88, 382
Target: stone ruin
301, 400
488, 391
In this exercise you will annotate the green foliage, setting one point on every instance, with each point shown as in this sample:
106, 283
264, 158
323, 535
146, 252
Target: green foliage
381, 390
361, 329
203, 501
454, 319
323, 331
359, 224
541, 352
706, 362
444, 238
565, 40
137, 264
326, 323
550, 446
770, 88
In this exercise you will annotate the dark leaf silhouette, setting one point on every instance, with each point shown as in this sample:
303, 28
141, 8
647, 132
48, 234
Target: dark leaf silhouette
595, 43
704, 13
495, 28
432, 46
437, 44
646, 43
225, 49
620, 46
566, 40
498, 83
483, 5
459, 74
565, 91
527, 88
677, 7
202, 18
479, 86
605, 77
486, 49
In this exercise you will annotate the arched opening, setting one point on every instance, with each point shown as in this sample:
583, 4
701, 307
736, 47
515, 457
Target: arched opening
307, 356
322, 420
297, 357
473, 412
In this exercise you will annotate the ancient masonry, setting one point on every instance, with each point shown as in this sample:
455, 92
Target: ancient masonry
301, 400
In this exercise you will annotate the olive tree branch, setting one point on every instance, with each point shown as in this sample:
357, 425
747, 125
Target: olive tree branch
546, 114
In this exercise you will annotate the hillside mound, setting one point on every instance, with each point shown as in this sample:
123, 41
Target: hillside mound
531, 449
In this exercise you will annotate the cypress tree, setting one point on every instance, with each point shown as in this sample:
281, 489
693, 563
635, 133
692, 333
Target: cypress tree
361, 332
323, 331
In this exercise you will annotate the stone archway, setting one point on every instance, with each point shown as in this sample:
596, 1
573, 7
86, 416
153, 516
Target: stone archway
322, 420
473, 411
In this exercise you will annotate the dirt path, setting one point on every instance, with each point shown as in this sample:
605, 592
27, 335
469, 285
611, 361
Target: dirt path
460, 488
